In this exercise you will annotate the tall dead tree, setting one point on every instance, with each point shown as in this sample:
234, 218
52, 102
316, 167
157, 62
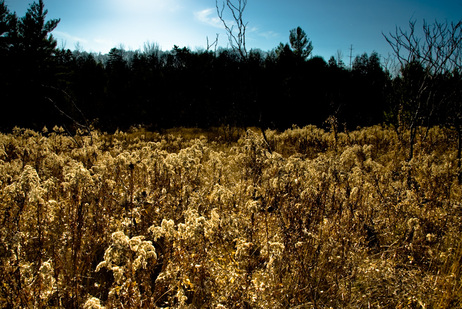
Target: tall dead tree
235, 9
435, 54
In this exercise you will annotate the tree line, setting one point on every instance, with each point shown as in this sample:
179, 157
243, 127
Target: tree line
42, 85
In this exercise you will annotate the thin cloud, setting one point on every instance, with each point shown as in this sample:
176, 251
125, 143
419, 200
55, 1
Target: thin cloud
269, 34
68, 36
253, 29
266, 34
208, 16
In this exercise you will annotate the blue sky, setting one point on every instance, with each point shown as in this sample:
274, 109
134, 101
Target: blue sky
332, 25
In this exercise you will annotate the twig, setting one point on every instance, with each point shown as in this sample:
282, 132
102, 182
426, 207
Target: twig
85, 126
237, 42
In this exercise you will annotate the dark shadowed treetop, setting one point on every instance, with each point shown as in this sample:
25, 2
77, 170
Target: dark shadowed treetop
367, 65
8, 27
35, 32
4, 14
300, 43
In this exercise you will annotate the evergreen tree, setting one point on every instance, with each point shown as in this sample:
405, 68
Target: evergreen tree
300, 43
33, 55
35, 32
369, 82
37, 47
8, 28
8, 36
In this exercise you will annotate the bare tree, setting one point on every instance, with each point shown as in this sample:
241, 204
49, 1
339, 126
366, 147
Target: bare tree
213, 44
433, 54
237, 40
236, 10
152, 49
439, 50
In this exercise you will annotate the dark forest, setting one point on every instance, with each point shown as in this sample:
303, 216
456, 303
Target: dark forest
42, 85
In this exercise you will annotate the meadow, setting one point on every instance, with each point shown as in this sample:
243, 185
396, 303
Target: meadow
225, 218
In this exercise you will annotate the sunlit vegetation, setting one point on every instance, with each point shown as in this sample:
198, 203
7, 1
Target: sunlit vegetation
217, 216
199, 219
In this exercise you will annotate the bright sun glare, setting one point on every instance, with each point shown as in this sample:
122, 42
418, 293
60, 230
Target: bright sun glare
143, 6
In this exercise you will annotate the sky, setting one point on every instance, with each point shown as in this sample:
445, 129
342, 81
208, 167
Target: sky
335, 27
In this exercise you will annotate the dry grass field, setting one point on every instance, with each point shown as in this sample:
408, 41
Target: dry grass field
225, 219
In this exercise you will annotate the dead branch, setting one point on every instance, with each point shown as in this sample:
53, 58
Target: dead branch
213, 44
439, 53
237, 41
85, 125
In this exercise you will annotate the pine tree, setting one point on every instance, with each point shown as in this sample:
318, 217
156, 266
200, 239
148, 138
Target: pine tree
36, 44
34, 56
300, 43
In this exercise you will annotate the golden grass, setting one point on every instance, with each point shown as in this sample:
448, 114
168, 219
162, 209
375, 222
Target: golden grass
211, 219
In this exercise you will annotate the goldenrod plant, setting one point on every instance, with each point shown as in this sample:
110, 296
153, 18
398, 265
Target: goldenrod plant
188, 219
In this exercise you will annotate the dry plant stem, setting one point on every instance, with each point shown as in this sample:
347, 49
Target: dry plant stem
142, 219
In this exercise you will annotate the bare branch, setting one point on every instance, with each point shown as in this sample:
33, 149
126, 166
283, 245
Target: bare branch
213, 44
237, 41
439, 51
439, 54
85, 126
